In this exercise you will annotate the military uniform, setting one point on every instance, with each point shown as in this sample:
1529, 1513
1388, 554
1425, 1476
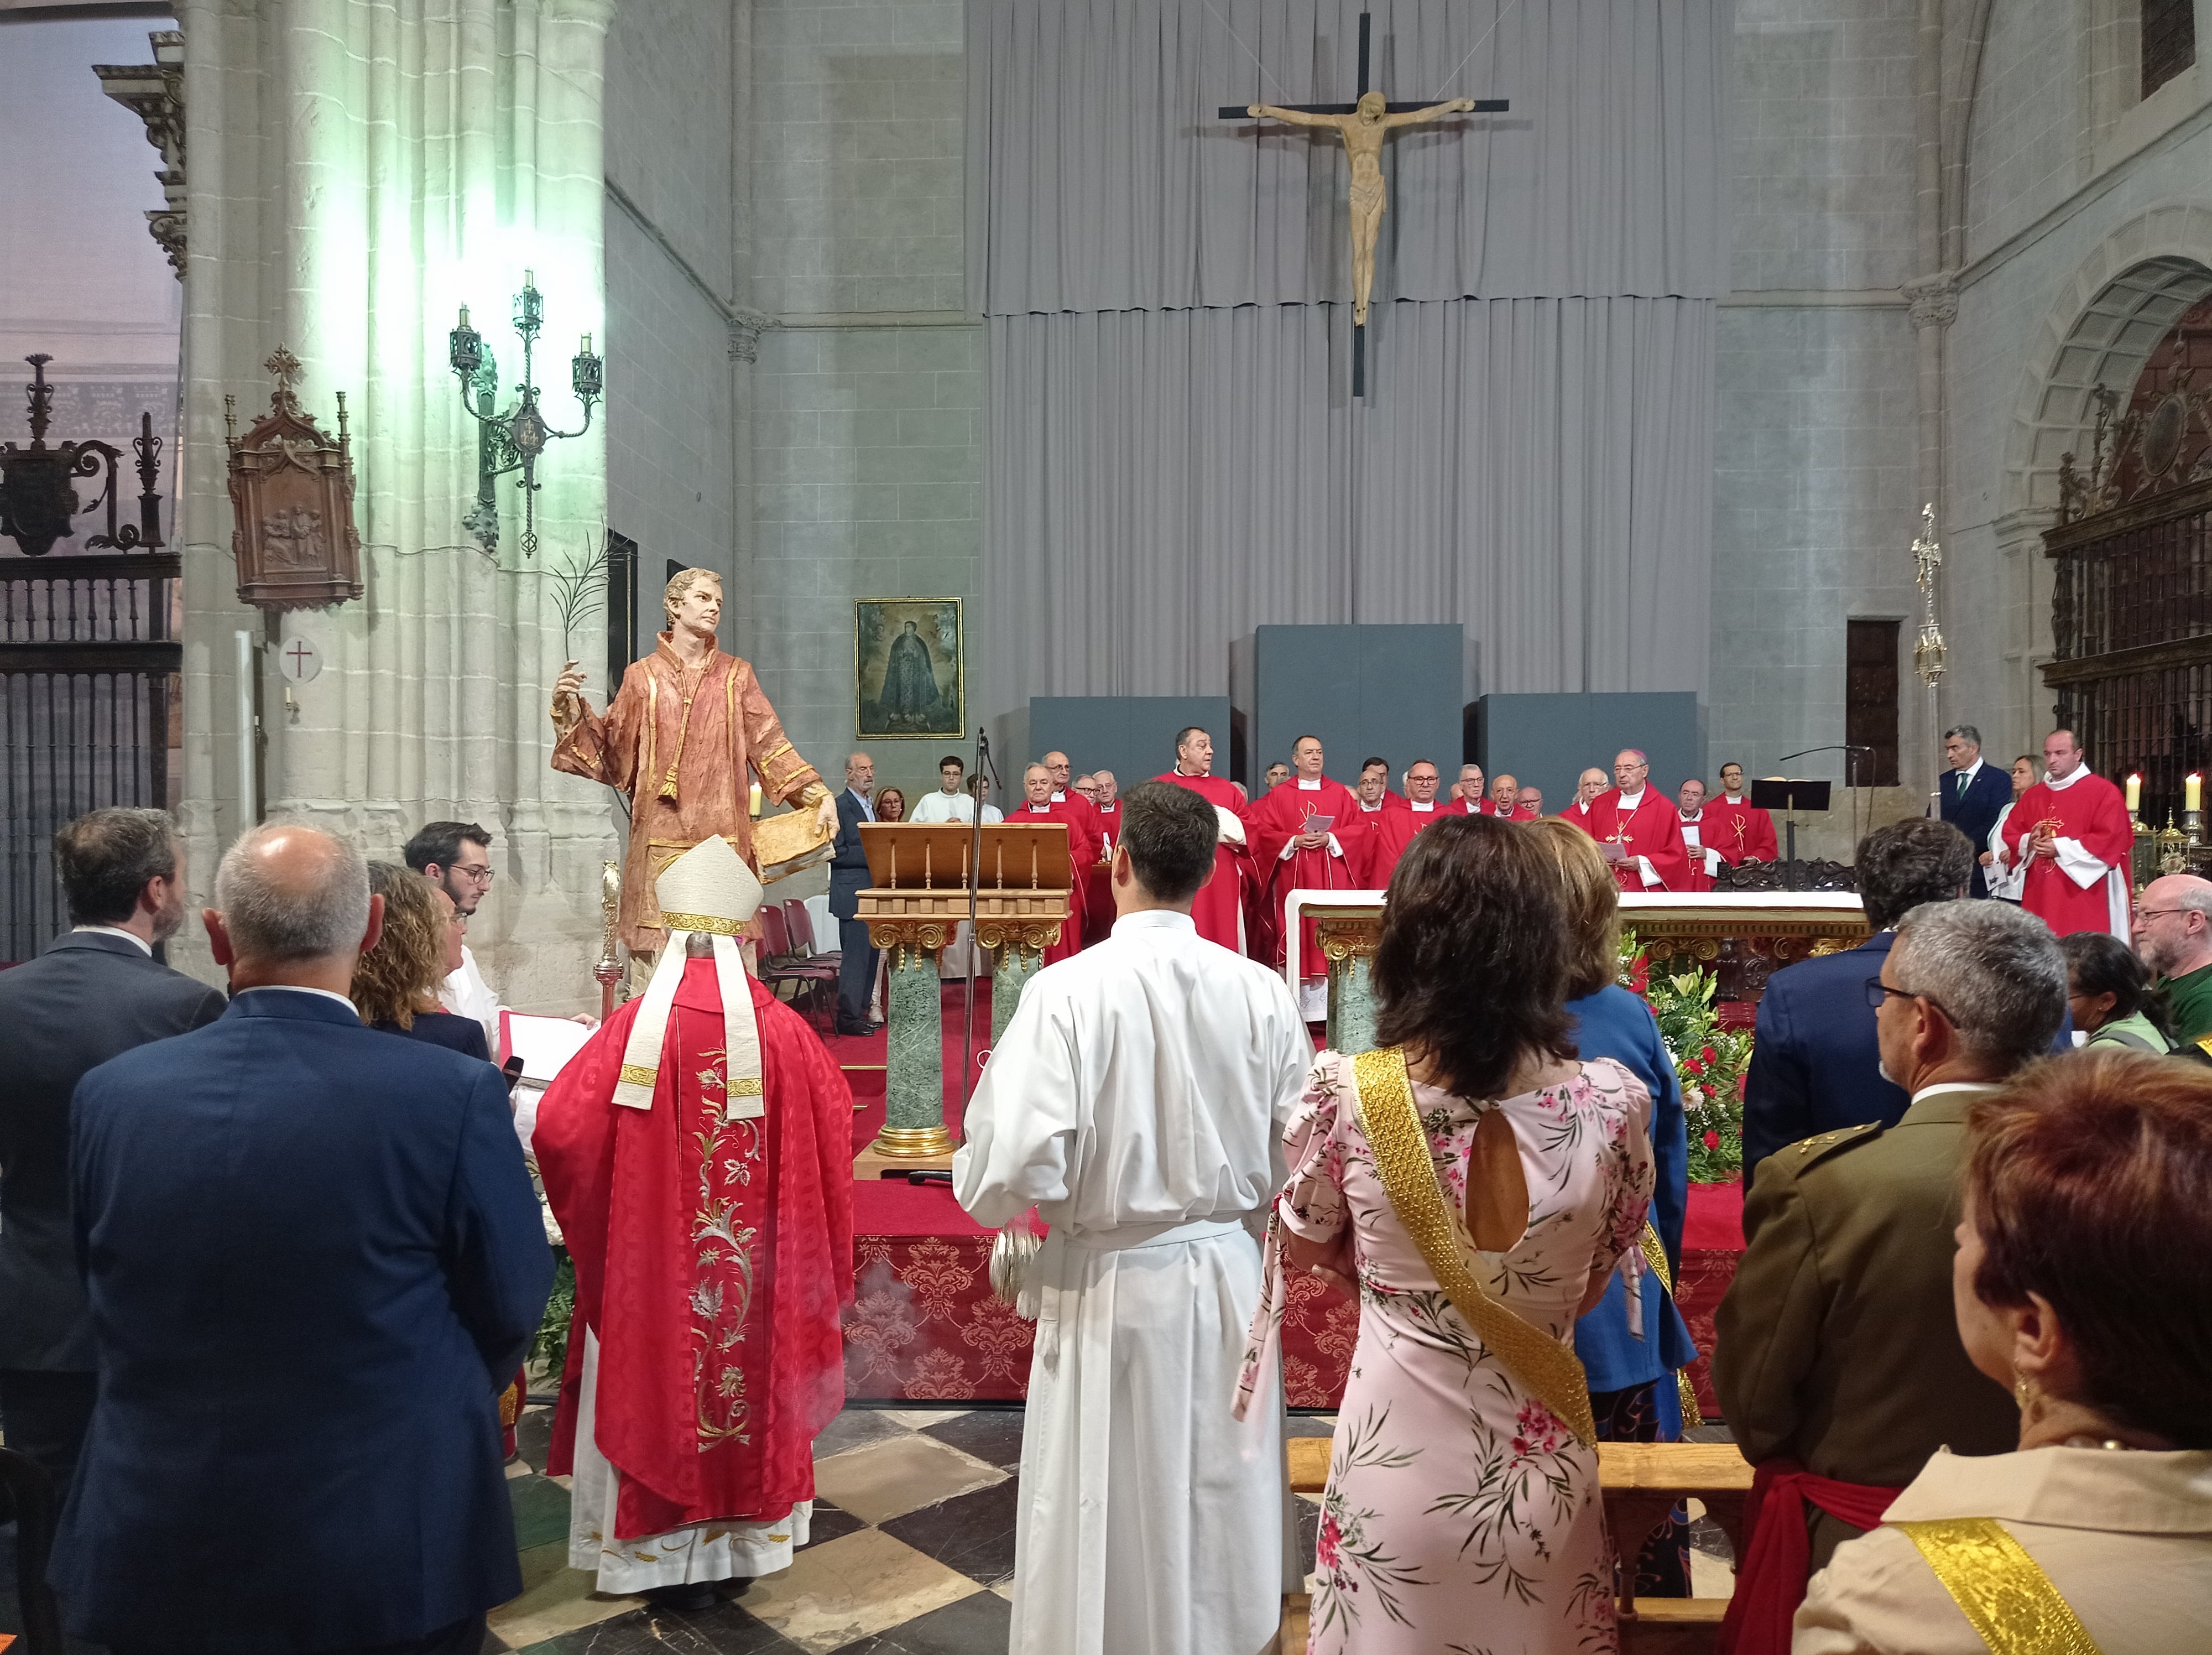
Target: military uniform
1836, 1345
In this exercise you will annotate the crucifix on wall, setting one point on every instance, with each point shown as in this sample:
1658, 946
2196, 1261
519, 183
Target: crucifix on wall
1363, 124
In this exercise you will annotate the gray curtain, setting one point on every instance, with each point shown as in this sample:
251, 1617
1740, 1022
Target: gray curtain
1173, 454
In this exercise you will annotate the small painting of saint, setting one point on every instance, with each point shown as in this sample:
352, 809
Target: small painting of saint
909, 668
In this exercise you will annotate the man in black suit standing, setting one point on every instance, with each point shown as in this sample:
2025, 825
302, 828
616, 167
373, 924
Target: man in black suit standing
849, 877
313, 1260
1972, 795
97, 991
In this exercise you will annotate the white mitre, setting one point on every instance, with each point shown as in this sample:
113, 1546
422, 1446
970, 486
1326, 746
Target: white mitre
709, 889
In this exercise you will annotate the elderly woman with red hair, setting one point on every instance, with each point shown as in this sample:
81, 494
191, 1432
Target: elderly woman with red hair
2080, 1282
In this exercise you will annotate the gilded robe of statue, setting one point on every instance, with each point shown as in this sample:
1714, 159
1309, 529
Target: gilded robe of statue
683, 746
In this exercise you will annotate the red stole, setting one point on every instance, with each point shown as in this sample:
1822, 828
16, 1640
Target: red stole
1082, 852
1652, 830
1226, 909
1777, 1560
1741, 832
711, 1257
1276, 821
2092, 811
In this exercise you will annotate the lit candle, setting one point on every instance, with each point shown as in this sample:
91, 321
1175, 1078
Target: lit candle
586, 350
2192, 791
465, 315
755, 800
2135, 794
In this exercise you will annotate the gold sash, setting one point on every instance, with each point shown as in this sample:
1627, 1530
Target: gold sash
1542, 1366
2003, 1591
1655, 1254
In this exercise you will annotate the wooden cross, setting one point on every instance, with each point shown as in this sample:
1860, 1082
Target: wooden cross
1363, 124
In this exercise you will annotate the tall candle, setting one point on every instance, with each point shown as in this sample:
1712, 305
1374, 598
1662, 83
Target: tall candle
2192, 791
2135, 794
753, 801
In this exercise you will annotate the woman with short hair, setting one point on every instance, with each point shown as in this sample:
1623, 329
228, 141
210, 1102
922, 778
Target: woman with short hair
2080, 1283
395, 986
1479, 1184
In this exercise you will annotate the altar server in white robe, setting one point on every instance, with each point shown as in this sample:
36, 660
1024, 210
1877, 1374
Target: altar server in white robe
1138, 1100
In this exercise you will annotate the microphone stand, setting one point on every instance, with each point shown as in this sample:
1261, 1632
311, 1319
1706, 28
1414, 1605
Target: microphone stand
983, 764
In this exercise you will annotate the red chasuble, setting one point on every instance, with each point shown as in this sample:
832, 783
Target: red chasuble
1082, 851
1652, 830
1741, 832
1392, 836
1219, 908
2091, 820
1278, 819
711, 1257
1098, 885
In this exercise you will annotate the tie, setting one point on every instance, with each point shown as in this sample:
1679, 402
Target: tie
1962, 784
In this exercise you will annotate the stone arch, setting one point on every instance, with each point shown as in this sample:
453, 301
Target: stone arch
2100, 327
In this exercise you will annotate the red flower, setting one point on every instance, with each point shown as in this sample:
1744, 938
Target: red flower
1691, 1066
1707, 1055
1712, 1140
1708, 1090
1325, 1543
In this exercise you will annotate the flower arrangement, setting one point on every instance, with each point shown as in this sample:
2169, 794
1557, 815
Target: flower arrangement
1709, 1061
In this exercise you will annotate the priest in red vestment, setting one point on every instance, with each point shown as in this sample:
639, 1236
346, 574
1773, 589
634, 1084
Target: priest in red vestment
1064, 791
1039, 805
1220, 909
697, 1154
1697, 821
1376, 801
1469, 796
2071, 832
1333, 858
1644, 824
1741, 832
1104, 793
1395, 829
1587, 785
1506, 800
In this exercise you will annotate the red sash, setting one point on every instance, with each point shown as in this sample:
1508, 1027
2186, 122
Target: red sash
1777, 1560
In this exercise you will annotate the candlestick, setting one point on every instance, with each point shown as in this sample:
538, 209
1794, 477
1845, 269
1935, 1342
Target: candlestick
2192, 791
2134, 793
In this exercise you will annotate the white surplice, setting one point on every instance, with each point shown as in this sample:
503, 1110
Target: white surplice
1138, 1099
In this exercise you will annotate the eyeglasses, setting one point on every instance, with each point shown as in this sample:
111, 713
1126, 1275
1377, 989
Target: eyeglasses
475, 875
2152, 913
1877, 991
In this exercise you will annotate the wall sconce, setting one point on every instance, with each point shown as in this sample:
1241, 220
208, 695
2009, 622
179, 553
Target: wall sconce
521, 434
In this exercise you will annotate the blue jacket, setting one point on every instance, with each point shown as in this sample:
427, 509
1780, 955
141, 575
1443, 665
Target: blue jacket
314, 1259
1614, 1023
848, 862
1987, 795
1815, 1063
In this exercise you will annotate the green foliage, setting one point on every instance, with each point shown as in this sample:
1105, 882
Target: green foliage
1709, 1061
548, 1351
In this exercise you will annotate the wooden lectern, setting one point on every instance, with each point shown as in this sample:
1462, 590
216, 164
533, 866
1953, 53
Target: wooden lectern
916, 898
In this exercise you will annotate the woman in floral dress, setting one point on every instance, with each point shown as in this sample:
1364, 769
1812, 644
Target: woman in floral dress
1461, 1513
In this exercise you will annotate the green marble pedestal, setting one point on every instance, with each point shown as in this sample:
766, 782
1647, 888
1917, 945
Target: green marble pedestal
1348, 945
1017, 965
914, 1080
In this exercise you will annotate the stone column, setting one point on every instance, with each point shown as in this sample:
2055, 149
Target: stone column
1349, 947
361, 172
1015, 966
2027, 710
914, 1078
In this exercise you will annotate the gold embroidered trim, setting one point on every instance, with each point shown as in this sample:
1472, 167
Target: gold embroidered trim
1543, 1365
639, 1075
2002, 1591
745, 1087
1655, 1254
706, 923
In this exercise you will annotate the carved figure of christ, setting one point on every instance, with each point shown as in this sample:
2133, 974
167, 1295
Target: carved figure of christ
1362, 132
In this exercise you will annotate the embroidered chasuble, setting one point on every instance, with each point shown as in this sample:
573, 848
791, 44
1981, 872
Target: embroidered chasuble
1649, 835
712, 1251
1340, 864
2085, 887
1740, 832
1222, 909
685, 746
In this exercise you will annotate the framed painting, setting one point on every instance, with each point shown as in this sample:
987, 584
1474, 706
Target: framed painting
910, 666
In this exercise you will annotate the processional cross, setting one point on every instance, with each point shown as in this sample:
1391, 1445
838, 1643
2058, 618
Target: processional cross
1362, 125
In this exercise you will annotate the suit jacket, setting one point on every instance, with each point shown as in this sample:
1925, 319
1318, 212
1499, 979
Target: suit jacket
848, 863
448, 1029
1835, 1345
1815, 1063
51, 1043
314, 1260
1974, 815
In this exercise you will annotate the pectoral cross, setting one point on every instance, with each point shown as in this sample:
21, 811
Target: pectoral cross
1362, 125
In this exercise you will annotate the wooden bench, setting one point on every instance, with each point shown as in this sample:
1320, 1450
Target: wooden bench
1640, 1484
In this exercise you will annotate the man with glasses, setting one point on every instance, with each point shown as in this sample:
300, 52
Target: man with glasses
1815, 1066
1640, 832
2173, 935
456, 857
1836, 1353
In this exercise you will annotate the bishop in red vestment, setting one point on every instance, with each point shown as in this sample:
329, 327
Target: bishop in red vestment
1075, 812
1741, 832
1219, 908
2071, 832
697, 1154
1645, 826
1335, 860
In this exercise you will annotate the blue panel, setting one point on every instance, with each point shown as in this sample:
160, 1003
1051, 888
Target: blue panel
1393, 690
1550, 739
1132, 736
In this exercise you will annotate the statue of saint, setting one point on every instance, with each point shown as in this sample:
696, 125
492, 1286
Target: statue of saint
688, 730
1363, 132
910, 693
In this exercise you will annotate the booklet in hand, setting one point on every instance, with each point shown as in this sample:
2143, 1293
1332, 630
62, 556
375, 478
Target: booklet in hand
1611, 850
1318, 823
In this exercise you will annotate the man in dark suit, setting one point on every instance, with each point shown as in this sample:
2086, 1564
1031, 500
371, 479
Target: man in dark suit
849, 877
97, 991
1972, 795
314, 1259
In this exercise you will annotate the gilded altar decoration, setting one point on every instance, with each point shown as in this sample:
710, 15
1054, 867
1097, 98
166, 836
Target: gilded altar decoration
291, 498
